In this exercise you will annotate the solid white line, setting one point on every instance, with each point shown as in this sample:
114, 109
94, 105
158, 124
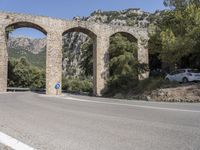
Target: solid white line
132, 105
13, 143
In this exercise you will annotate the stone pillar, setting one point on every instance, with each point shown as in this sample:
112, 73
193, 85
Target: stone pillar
3, 61
100, 65
53, 62
143, 58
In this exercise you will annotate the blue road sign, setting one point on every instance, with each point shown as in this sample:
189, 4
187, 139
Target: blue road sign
57, 86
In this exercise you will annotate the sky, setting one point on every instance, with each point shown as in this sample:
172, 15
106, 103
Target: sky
67, 9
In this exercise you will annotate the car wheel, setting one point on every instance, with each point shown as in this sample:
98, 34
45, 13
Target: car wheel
185, 80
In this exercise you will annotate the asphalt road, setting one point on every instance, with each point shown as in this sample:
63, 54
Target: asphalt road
86, 123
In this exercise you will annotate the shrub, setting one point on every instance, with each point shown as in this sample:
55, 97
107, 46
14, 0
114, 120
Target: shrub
120, 85
22, 74
77, 85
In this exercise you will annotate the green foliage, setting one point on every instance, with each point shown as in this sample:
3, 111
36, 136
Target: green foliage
123, 65
123, 57
177, 36
22, 74
179, 4
77, 85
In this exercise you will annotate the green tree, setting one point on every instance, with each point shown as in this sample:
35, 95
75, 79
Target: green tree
177, 36
180, 3
38, 78
124, 66
123, 56
22, 74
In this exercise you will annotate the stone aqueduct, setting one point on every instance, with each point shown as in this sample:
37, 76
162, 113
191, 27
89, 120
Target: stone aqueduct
54, 29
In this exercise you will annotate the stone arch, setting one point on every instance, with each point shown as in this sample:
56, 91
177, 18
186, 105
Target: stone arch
93, 37
17, 25
54, 29
22, 24
86, 31
129, 36
142, 52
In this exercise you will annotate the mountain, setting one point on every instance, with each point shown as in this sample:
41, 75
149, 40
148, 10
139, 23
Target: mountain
34, 46
129, 17
33, 49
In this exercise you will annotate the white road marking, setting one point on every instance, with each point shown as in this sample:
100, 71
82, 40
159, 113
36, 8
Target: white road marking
131, 105
13, 143
6, 92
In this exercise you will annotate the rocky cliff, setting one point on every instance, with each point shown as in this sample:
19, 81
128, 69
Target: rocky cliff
34, 46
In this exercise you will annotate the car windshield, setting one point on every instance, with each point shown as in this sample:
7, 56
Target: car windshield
174, 72
194, 71
181, 71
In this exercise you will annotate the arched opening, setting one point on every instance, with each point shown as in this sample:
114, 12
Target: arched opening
123, 63
26, 48
79, 44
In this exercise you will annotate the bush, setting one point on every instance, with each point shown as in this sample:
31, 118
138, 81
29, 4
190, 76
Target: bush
77, 85
120, 85
22, 74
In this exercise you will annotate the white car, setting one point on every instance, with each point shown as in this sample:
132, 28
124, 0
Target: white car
184, 75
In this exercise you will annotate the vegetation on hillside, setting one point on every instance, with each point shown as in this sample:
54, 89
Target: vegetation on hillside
38, 60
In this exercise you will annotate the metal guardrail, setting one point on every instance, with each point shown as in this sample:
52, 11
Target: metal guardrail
14, 89
17, 89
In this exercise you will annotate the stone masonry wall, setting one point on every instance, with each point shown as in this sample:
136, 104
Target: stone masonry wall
54, 29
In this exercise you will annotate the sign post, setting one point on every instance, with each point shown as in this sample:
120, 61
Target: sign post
57, 87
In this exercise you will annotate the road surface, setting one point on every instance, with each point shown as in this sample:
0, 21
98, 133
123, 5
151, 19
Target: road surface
86, 123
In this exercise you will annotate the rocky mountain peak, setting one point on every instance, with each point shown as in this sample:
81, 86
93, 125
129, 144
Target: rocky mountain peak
129, 17
34, 46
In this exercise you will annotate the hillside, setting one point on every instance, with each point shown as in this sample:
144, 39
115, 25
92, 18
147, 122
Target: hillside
37, 60
34, 50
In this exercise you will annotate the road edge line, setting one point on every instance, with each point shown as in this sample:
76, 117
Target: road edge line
13, 143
